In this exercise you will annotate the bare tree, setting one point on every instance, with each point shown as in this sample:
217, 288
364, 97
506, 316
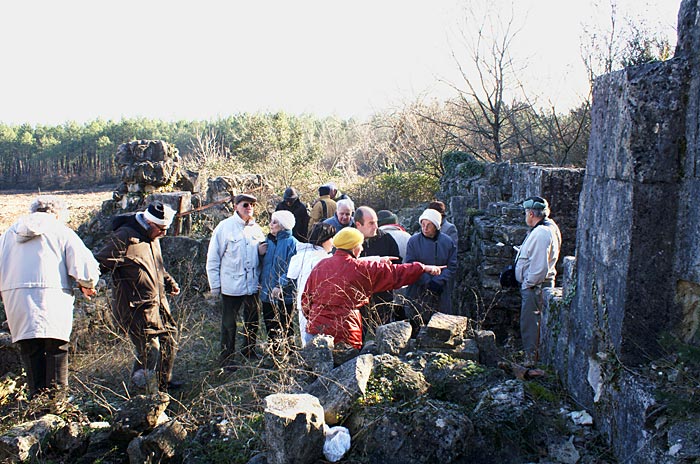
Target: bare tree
616, 44
481, 116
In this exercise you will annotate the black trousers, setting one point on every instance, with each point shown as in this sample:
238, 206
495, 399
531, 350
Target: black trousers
230, 307
46, 363
278, 319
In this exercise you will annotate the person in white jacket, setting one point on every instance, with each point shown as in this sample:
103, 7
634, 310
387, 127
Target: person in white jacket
535, 267
233, 270
40, 259
307, 257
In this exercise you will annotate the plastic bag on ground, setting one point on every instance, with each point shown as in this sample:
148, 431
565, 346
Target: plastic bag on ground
337, 442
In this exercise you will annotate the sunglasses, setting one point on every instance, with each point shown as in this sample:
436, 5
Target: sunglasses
246, 204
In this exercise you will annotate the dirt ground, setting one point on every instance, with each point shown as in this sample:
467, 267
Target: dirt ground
81, 203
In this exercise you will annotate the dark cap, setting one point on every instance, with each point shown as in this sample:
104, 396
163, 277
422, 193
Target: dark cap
437, 206
290, 194
244, 197
535, 203
385, 217
321, 232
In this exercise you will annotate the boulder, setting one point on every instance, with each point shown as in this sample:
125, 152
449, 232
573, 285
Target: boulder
395, 381
446, 327
393, 338
467, 350
293, 429
457, 380
431, 431
24, 441
140, 414
70, 439
342, 386
488, 351
443, 331
158, 445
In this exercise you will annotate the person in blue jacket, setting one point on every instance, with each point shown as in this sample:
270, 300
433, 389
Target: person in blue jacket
276, 292
343, 216
430, 294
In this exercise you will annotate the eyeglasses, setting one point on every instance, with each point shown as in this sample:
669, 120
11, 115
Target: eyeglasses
248, 205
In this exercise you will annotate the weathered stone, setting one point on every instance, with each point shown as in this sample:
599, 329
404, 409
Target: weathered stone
226, 187
396, 380
393, 338
148, 164
318, 354
140, 414
503, 402
431, 431
23, 442
344, 352
293, 429
342, 386
684, 439
445, 327
70, 439
467, 350
158, 445
564, 453
488, 351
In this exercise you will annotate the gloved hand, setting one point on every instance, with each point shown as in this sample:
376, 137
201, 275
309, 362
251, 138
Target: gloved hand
435, 287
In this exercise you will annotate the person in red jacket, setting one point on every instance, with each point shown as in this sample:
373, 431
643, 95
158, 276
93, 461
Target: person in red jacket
340, 285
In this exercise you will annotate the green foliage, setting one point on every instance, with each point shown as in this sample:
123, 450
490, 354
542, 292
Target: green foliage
540, 392
407, 188
462, 164
238, 448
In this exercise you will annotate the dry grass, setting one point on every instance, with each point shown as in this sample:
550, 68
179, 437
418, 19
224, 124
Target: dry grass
81, 204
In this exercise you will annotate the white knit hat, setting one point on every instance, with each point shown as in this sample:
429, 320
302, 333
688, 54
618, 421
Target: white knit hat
285, 219
159, 213
433, 216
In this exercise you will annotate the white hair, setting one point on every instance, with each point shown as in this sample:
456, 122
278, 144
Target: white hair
50, 204
346, 202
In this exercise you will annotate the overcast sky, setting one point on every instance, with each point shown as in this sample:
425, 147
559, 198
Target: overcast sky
79, 60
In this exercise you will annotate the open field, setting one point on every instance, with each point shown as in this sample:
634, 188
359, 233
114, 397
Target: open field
81, 203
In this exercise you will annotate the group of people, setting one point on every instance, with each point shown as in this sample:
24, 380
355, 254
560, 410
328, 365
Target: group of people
335, 267
286, 275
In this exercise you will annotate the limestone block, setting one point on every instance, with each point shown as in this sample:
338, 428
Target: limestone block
393, 338
488, 351
23, 442
467, 350
433, 432
293, 429
159, 445
342, 386
446, 327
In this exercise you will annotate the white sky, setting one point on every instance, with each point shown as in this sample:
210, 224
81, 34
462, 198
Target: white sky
79, 60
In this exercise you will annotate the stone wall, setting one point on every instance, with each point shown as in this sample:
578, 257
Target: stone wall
636, 275
487, 214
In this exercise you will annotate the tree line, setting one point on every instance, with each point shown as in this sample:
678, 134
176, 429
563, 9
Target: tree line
413, 139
